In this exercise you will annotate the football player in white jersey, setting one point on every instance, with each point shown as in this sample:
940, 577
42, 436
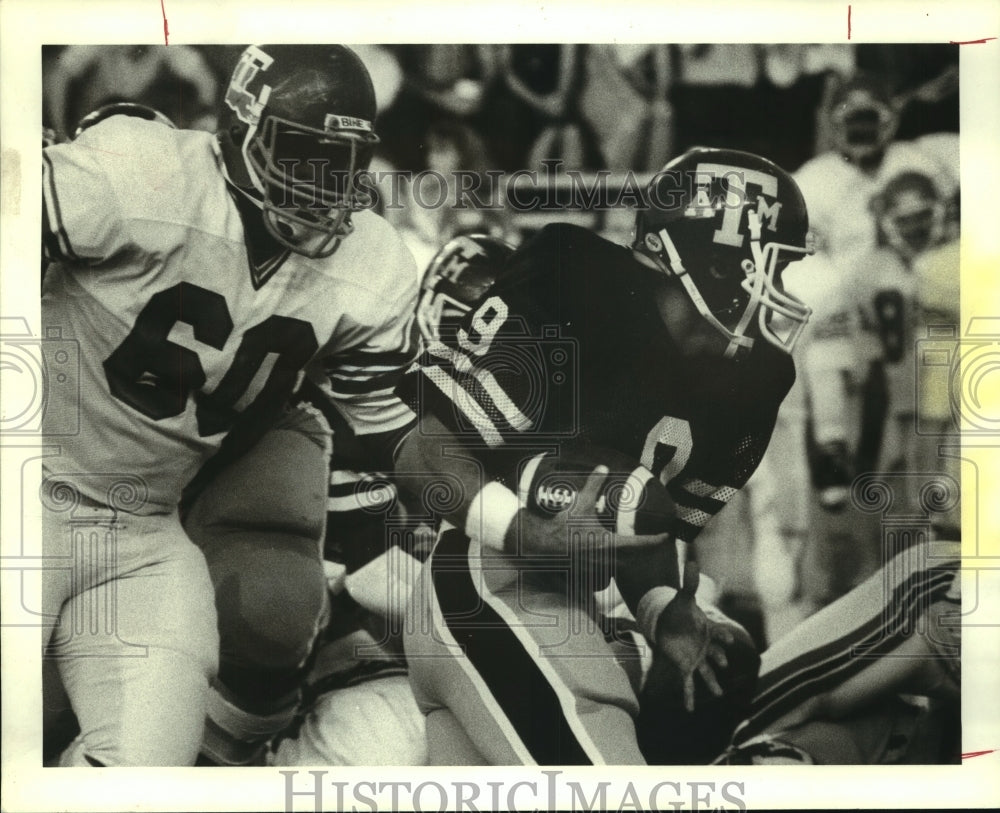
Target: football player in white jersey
839, 186
860, 364
202, 277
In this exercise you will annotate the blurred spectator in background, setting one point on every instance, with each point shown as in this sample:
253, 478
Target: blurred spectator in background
909, 214
440, 83
535, 114
937, 304
713, 97
385, 71
442, 201
175, 80
625, 99
924, 77
862, 117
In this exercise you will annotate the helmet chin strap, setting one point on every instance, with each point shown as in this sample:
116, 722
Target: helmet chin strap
253, 124
737, 340
225, 172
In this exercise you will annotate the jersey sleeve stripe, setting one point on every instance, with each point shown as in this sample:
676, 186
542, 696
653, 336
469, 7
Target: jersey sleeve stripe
385, 382
359, 398
470, 408
343, 477
682, 497
363, 369
699, 488
694, 516
54, 211
518, 421
881, 613
381, 402
343, 505
481, 385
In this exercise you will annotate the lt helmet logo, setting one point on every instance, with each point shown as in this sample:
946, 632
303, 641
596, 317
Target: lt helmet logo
247, 106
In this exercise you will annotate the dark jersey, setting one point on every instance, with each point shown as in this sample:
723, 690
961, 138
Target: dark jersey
568, 346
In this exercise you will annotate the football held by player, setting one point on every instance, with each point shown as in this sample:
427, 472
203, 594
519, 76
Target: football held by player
202, 277
674, 353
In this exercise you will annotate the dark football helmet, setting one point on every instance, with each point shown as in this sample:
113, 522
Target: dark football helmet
863, 118
136, 109
455, 279
726, 223
296, 129
910, 214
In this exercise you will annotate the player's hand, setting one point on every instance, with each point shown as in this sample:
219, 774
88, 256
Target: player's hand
564, 531
690, 641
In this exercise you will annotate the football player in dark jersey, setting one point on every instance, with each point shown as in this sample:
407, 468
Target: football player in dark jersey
674, 352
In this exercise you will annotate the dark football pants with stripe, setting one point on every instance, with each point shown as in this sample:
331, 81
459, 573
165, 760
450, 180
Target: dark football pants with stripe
510, 668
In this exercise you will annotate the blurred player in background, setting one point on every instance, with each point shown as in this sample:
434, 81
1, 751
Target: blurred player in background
680, 366
202, 277
176, 80
832, 413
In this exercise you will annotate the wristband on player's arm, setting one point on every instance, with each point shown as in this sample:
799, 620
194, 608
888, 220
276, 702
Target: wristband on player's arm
655, 601
494, 518
491, 516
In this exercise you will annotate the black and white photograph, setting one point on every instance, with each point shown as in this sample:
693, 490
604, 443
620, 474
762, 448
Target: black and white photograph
567, 413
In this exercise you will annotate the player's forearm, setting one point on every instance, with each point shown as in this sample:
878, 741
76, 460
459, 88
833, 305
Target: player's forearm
437, 474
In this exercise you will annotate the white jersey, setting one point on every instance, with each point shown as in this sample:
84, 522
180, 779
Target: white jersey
179, 334
838, 193
937, 275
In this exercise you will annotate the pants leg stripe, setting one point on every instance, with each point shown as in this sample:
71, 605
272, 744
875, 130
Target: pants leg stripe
500, 658
820, 669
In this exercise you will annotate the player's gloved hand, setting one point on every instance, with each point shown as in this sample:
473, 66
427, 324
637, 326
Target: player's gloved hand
533, 533
686, 638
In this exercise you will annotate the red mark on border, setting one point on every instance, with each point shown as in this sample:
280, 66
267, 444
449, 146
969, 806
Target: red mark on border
848, 22
166, 29
971, 42
971, 754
